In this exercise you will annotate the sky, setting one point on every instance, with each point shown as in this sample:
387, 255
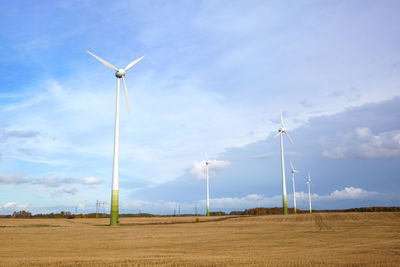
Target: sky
214, 79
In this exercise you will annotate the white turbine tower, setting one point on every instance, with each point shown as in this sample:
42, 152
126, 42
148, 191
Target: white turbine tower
282, 131
309, 192
294, 189
120, 74
208, 195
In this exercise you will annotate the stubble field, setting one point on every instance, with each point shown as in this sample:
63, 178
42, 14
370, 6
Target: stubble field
335, 239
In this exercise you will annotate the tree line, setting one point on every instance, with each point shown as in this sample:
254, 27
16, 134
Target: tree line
248, 212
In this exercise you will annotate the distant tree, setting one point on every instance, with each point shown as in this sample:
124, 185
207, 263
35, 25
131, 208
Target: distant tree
217, 213
22, 214
236, 213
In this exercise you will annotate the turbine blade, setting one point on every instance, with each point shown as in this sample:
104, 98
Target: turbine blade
291, 140
205, 153
282, 125
126, 94
133, 63
277, 134
103, 61
291, 165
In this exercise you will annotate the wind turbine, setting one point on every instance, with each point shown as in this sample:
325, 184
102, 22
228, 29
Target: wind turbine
208, 195
120, 74
294, 190
282, 131
309, 193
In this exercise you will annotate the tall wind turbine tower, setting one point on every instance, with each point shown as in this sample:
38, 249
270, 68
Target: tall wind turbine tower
208, 194
294, 189
120, 74
309, 192
282, 131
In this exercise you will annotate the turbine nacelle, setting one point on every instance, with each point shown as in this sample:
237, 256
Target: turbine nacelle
207, 161
120, 73
293, 169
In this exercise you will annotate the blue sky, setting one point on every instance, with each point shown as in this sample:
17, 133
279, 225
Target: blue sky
215, 76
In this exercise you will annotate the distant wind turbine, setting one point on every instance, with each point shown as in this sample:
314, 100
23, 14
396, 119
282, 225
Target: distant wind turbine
120, 74
294, 190
309, 192
208, 195
282, 131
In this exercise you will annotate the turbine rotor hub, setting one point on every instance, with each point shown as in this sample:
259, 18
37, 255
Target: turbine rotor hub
120, 73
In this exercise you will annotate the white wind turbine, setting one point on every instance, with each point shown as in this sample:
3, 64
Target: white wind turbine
282, 131
309, 192
208, 195
120, 74
294, 190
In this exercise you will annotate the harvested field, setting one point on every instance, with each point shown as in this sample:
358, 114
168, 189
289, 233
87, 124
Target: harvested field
326, 239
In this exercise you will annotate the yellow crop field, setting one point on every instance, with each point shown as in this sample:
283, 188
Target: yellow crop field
326, 239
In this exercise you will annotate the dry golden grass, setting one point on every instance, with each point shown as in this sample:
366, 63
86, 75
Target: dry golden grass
335, 239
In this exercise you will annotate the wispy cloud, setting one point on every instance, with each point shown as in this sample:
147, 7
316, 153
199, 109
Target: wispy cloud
65, 190
18, 178
46, 181
20, 134
263, 156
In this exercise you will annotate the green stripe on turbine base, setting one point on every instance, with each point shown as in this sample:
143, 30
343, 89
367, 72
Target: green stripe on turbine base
285, 205
208, 211
295, 210
114, 209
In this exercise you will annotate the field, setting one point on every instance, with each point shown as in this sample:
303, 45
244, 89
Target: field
328, 239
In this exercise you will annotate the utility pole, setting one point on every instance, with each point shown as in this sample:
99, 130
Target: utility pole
97, 208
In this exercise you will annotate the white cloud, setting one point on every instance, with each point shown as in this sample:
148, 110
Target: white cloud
361, 142
256, 200
352, 193
13, 205
198, 169
91, 180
